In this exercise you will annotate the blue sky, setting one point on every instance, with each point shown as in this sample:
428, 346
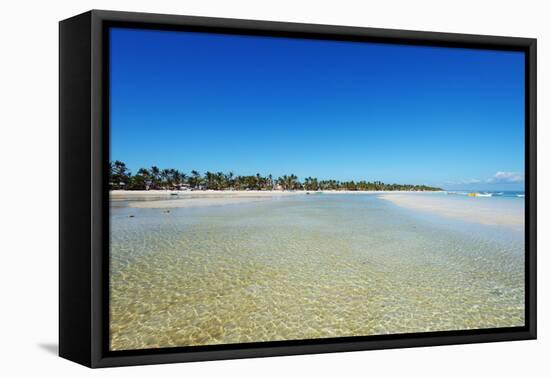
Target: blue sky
329, 109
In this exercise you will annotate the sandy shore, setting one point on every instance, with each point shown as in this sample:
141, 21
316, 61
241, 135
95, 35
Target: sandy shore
161, 194
155, 199
470, 209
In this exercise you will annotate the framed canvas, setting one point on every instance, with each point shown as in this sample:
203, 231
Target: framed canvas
235, 188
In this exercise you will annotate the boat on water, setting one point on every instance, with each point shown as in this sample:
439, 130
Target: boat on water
479, 194
484, 195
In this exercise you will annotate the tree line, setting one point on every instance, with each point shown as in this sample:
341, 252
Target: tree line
120, 177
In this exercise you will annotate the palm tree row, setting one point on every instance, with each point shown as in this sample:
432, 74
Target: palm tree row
120, 177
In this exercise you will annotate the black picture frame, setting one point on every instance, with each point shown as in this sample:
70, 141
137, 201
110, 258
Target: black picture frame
84, 201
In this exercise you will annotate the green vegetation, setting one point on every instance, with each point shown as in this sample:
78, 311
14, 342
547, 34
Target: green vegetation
120, 177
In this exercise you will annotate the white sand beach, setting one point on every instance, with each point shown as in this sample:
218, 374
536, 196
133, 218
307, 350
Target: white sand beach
471, 209
155, 199
477, 210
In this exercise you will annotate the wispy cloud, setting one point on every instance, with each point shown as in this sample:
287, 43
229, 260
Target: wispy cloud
504, 177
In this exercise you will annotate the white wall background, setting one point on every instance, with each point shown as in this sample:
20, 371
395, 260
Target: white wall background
29, 215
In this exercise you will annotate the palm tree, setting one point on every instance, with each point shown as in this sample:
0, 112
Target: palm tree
119, 175
210, 180
282, 181
289, 182
194, 180
219, 179
294, 183
178, 178
155, 178
165, 178
229, 180
142, 181
311, 183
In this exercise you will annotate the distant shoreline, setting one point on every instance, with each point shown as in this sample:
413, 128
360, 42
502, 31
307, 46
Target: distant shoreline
471, 211
129, 194
155, 178
198, 198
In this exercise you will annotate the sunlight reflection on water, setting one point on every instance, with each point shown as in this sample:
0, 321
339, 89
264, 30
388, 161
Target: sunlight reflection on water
305, 267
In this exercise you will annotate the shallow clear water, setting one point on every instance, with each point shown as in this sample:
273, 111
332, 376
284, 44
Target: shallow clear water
305, 267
